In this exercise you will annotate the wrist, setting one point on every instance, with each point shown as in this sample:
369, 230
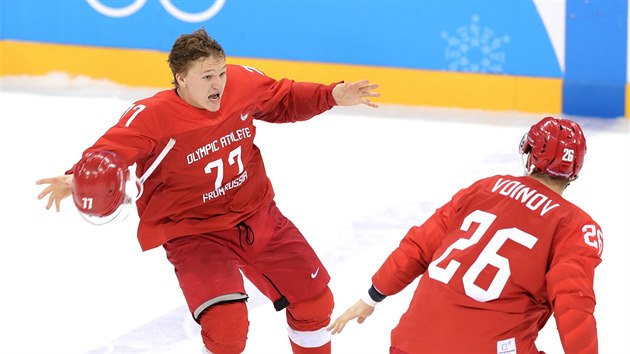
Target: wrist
373, 297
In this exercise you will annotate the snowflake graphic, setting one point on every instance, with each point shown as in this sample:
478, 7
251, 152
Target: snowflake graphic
475, 49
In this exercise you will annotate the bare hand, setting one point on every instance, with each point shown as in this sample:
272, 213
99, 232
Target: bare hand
59, 188
360, 310
353, 93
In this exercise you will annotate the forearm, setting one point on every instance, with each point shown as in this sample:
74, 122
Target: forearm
398, 271
373, 296
297, 101
578, 332
576, 324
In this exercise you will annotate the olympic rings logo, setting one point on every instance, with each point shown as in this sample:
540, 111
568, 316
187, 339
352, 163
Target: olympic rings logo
167, 4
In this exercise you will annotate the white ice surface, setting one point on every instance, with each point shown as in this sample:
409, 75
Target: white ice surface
353, 180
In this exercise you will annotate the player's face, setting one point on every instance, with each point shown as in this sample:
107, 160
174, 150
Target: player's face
202, 86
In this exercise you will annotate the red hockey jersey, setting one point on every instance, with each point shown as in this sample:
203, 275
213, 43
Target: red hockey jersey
214, 175
497, 261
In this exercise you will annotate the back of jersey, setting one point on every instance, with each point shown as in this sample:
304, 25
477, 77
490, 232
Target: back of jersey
486, 288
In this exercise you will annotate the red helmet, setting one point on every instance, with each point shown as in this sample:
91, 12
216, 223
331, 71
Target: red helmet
556, 147
98, 187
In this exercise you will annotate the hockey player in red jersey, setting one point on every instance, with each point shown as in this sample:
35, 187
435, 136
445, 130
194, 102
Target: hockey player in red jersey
205, 196
498, 259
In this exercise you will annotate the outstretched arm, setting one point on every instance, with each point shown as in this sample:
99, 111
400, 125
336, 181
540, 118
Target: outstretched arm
354, 93
58, 188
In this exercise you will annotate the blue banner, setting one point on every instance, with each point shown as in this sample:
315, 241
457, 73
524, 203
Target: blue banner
498, 37
596, 47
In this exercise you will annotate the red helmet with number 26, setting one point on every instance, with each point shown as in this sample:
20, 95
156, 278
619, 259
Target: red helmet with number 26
556, 147
98, 186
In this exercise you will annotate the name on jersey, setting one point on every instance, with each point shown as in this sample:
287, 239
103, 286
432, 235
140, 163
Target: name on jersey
531, 198
214, 146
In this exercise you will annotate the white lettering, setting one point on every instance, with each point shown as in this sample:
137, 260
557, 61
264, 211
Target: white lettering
499, 184
530, 204
235, 136
516, 190
206, 197
87, 203
213, 147
524, 194
509, 187
548, 207
532, 199
202, 152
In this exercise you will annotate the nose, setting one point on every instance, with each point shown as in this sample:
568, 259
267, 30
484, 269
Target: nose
215, 83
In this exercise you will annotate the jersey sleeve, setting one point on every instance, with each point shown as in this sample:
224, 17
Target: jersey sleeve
570, 285
129, 144
132, 138
415, 251
284, 101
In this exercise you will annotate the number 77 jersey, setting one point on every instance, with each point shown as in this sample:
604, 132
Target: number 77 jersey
213, 177
497, 260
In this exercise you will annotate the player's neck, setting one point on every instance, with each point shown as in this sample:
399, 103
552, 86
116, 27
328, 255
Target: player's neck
555, 184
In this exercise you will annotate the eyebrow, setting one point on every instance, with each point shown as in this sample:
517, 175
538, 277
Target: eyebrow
220, 70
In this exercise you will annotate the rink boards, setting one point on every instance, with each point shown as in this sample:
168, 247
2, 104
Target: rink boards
530, 56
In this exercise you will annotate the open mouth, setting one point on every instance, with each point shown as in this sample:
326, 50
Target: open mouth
214, 97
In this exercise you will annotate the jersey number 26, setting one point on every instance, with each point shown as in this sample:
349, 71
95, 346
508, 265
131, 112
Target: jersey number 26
488, 256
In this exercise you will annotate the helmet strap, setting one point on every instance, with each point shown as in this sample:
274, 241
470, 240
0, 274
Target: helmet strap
531, 169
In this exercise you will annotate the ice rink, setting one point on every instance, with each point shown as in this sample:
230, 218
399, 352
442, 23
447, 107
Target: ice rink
353, 180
